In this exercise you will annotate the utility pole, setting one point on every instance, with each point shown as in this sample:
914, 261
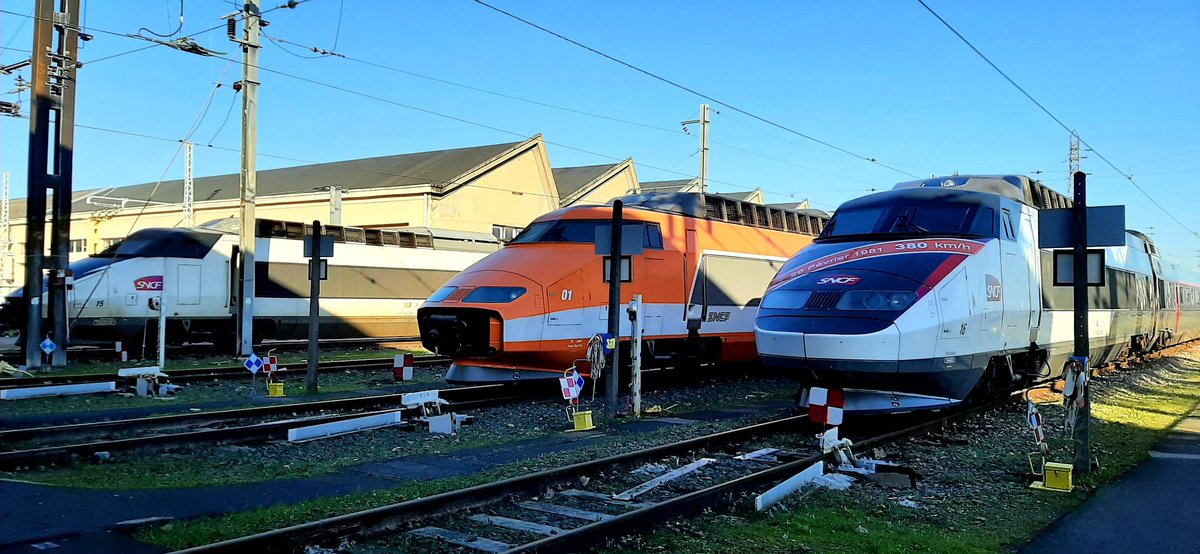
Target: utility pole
614, 318
51, 118
314, 305
250, 25
6, 243
1083, 415
335, 205
703, 121
1073, 158
189, 189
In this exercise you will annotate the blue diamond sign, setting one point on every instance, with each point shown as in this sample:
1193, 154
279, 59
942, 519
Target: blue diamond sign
47, 346
253, 363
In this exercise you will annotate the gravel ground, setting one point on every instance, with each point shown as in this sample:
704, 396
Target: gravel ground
214, 395
974, 492
497, 426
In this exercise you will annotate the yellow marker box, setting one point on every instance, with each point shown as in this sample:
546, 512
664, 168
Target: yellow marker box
583, 421
1058, 476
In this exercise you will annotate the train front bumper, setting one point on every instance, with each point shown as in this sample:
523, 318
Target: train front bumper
867, 367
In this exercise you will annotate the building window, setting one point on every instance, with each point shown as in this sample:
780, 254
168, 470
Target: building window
78, 245
505, 233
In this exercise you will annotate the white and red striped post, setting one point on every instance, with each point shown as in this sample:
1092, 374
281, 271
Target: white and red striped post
402, 367
271, 366
826, 406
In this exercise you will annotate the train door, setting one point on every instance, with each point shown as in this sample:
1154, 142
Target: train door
1033, 271
188, 285
1011, 290
656, 268
693, 305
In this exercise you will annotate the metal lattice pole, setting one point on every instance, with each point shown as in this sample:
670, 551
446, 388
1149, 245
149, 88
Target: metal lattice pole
189, 190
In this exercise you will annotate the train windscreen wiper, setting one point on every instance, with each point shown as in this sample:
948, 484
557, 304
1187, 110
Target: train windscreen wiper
904, 224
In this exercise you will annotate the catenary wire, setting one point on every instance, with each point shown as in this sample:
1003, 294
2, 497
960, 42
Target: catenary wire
695, 92
1054, 117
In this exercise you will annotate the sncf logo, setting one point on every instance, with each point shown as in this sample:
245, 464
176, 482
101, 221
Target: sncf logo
995, 292
149, 283
839, 280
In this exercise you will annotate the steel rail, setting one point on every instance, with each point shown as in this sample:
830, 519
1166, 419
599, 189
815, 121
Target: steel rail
258, 432
219, 372
219, 416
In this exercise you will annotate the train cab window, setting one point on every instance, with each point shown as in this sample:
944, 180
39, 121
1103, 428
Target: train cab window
583, 231
653, 237
910, 218
161, 243
1009, 231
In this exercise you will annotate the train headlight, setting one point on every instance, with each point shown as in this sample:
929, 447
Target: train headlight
890, 300
494, 295
785, 299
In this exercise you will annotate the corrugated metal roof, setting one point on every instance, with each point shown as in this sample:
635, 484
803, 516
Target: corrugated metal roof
421, 168
742, 196
568, 180
677, 185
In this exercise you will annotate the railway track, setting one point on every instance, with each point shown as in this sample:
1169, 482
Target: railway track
52, 444
222, 372
175, 351
228, 426
572, 519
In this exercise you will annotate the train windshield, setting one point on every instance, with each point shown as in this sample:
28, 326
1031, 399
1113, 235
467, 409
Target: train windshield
158, 243
912, 219
583, 230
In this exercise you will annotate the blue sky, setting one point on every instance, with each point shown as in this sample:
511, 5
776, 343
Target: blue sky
883, 79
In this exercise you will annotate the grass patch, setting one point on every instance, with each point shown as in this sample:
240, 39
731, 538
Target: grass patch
972, 499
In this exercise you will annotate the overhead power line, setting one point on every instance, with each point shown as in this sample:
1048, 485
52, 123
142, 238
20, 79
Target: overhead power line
685, 88
443, 115
1054, 117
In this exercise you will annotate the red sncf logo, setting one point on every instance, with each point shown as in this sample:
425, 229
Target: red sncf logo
839, 280
151, 283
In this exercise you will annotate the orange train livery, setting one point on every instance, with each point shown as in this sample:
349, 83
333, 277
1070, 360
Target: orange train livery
530, 309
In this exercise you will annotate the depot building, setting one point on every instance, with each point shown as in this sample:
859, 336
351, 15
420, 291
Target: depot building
496, 189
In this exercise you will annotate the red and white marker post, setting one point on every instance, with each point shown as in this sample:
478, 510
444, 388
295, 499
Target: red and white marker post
826, 406
402, 367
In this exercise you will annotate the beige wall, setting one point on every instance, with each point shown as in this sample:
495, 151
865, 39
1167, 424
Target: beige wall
512, 194
618, 183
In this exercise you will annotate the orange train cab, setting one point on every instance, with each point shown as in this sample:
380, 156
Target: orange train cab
529, 310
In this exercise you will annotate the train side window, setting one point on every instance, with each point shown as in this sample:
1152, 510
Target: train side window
626, 269
1008, 225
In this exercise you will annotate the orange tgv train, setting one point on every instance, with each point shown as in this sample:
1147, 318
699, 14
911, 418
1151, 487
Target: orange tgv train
529, 310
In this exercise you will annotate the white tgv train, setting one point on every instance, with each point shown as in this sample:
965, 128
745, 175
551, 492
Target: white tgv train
376, 281
915, 297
